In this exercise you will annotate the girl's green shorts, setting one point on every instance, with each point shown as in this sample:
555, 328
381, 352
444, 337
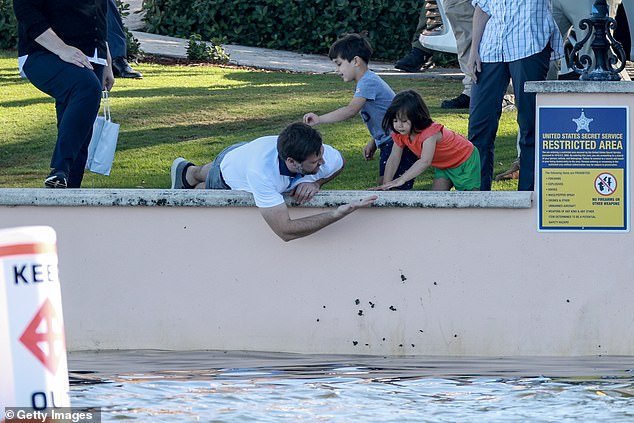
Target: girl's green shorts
465, 177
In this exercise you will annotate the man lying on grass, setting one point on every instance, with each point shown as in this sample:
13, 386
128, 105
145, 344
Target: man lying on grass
295, 162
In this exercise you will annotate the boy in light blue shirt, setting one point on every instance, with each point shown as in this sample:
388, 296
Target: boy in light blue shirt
372, 96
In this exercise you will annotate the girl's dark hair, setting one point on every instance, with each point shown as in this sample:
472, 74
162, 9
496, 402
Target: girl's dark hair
351, 45
298, 141
410, 104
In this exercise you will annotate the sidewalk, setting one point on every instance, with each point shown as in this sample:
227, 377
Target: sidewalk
261, 58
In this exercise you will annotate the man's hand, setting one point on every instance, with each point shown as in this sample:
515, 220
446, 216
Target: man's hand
305, 191
369, 150
346, 209
474, 65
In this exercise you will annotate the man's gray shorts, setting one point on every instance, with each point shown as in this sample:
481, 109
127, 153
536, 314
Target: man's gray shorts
214, 177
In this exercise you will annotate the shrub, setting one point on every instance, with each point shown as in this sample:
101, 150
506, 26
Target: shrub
133, 47
8, 26
295, 25
205, 51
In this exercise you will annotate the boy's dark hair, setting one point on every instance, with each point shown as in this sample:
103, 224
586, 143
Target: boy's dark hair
411, 105
298, 141
349, 46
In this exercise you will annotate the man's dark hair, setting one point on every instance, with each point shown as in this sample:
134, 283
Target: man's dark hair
298, 141
349, 46
407, 104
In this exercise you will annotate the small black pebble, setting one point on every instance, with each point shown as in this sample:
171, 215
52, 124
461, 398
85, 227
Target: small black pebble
360, 313
357, 302
355, 343
392, 308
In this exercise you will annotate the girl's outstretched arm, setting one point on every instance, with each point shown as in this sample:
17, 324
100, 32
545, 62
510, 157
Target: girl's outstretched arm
419, 166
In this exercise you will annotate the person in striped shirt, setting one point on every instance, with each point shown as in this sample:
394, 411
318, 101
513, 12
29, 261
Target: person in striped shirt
512, 40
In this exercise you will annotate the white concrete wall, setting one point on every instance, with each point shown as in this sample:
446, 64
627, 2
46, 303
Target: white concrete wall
437, 274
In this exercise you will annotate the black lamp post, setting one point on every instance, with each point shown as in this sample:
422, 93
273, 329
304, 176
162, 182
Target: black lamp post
601, 25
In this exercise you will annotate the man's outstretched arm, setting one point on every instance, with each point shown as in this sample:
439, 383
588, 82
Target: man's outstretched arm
279, 220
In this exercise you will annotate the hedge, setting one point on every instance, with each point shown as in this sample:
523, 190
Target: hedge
8, 26
293, 25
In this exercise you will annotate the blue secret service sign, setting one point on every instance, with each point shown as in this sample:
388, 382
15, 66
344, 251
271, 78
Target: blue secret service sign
582, 177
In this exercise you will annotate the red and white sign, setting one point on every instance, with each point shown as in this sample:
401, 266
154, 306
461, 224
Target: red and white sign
33, 366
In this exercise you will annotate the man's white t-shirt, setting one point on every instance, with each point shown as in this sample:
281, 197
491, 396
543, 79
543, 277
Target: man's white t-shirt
254, 167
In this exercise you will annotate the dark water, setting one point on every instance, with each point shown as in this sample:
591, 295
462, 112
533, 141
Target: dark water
216, 386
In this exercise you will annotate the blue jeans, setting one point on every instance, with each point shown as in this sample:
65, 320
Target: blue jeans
407, 160
116, 33
77, 94
486, 109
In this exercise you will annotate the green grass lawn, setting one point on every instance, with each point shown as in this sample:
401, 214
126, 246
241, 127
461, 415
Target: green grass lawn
195, 111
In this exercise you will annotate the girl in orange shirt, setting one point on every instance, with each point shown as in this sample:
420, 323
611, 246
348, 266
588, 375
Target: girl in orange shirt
456, 160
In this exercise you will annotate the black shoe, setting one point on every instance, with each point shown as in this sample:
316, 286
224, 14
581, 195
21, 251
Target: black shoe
415, 61
460, 102
122, 69
56, 179
570, 76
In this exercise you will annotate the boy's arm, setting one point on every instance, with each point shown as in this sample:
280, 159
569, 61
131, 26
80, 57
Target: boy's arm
369, 149
342, 113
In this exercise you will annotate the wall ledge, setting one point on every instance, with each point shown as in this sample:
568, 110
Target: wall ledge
603, 87
14, 197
